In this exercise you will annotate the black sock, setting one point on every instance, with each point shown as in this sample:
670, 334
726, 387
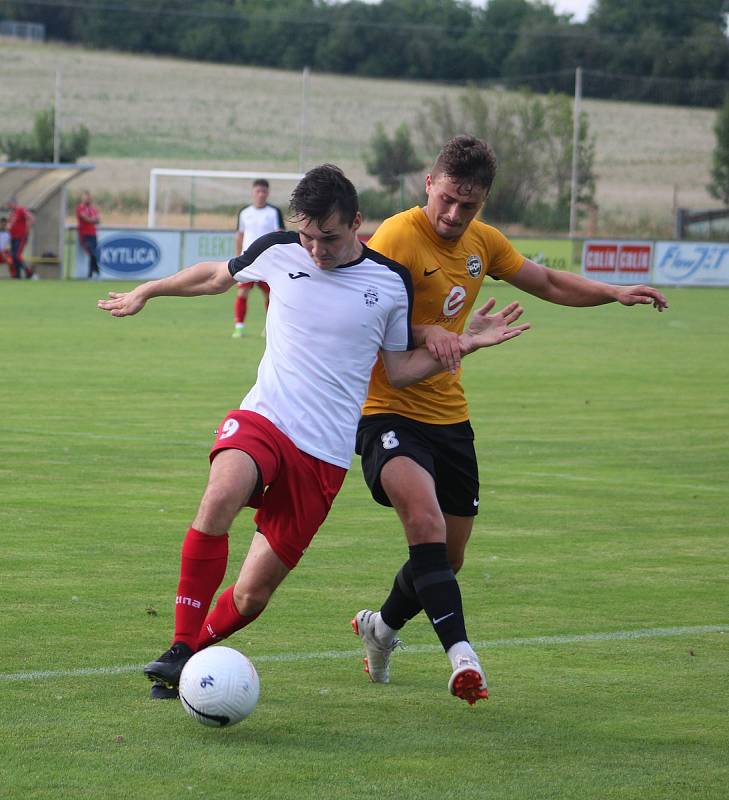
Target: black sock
402, 603
437, 589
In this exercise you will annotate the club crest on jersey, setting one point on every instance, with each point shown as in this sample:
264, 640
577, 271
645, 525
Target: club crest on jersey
474, 266
370, 296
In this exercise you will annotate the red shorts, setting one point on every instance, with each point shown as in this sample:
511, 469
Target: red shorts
299, 489
264, 287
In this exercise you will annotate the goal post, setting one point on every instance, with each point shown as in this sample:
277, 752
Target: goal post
217, 177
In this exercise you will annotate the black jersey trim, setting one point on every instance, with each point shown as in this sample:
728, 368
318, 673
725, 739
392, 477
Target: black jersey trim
280, 217
261, 244
406, 278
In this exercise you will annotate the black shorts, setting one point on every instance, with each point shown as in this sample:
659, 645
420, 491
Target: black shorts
445, 451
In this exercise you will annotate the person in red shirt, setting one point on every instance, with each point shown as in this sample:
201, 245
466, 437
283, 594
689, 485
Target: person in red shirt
19, 225
87, 216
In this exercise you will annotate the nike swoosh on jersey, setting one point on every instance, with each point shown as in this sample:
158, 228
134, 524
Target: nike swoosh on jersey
429, 272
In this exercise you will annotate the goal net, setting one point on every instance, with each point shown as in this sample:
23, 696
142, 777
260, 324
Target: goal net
209, 199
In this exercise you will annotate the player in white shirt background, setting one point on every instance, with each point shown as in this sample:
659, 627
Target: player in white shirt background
334, 305
254, 221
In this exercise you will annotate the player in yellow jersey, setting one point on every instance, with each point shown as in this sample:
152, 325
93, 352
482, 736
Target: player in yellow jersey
417, 444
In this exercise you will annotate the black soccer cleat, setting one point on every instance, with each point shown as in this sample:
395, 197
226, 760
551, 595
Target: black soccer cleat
161, 692
168, 667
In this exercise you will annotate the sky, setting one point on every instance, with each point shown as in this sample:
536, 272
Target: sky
578, 8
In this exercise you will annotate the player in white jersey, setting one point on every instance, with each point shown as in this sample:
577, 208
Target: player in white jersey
334, 305
254, 221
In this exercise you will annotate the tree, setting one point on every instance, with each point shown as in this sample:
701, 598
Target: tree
523, 42
532, 139
38, 144
506, 16
672, 18
719, 186
559, 121
392, 159
660, 39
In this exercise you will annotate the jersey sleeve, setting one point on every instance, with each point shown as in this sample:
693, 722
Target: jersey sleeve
392, 239
252, 263
241, 221
399, 333
504, 258
279, 217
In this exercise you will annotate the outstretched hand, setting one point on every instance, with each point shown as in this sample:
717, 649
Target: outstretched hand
487, 330
642, 295
122, 304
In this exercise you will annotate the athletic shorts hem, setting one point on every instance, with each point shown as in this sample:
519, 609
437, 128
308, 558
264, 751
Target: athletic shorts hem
446, 452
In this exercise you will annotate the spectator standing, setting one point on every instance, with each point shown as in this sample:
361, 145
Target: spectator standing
19, 225
87, 217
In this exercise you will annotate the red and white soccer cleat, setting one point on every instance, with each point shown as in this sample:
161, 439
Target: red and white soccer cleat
468, 681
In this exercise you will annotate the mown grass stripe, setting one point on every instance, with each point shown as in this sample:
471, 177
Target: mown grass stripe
530, 641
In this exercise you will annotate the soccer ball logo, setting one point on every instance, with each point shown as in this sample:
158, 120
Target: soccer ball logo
219, 686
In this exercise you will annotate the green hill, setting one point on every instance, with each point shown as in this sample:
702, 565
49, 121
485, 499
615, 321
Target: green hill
147, 111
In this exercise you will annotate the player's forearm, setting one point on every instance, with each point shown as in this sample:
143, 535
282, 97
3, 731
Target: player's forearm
568, 289
415, 366
207, 277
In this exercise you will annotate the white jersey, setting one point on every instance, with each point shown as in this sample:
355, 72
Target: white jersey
4, 241
323, 331
256, 222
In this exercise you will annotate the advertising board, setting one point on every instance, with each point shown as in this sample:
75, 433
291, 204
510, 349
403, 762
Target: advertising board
691, 264
125, 254
619, 262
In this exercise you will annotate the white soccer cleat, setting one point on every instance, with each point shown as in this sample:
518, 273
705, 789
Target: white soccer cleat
377, 655
468, 681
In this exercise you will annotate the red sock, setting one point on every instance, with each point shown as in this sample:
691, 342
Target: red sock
239, 309
202, 568
223, 620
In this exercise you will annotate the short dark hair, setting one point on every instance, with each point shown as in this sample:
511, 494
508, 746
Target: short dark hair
3, 219
321, 192
260, 182
468, 161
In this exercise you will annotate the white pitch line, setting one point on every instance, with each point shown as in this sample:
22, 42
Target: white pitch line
531, 641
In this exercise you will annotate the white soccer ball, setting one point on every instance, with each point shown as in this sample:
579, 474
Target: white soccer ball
219, 686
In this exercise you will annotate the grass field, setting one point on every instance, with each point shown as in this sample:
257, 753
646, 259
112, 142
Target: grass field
145, 111
595, 585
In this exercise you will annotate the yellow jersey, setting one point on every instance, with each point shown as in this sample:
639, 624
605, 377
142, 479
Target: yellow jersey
447, 278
